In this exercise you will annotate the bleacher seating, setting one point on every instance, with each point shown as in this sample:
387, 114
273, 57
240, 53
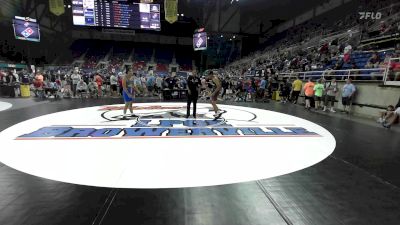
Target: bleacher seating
143, 54
161, 67
122, 50
360, 59
139, 65
164, 55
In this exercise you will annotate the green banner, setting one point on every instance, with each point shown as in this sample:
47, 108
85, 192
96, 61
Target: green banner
16, 66
171, 10
56, 7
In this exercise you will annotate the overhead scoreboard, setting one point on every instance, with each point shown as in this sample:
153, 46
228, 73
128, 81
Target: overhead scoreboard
116, 14
26, 28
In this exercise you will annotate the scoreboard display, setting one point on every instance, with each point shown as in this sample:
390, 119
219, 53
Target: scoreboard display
200, 40
26, 29
116, 14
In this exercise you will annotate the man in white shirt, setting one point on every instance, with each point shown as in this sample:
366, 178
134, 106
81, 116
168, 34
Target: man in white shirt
113, 83
75, 77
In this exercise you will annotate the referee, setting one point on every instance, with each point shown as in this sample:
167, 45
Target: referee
193, 87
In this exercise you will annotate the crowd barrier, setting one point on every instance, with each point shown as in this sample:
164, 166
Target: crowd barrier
373, 75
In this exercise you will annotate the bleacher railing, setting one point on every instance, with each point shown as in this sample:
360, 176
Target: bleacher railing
368, 75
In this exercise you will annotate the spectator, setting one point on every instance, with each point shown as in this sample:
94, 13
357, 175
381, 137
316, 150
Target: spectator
138, 84
93, 89
99, 81
225, 86
262, 88
385, 114
50, 88
309, 92
338, 65
318, 92
391, 117
75, 77
347, 53
171, 82
373, 61
66, 89
113, 84
284, 89
296, 89
150, 83
38, 87
239, 90
120, 77
159, 84
81, 88
347, 95
39, 77
331, 89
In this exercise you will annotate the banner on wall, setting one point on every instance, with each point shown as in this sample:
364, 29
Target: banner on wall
56, 7
171, 10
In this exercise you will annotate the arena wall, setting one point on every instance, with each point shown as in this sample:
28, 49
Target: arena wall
373, 94
370, 99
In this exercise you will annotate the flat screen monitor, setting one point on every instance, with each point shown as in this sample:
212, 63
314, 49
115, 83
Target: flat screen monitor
116, 14
26, 29
200, 41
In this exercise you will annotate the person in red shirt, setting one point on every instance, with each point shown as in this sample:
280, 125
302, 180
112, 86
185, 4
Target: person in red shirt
99, 82
38, 85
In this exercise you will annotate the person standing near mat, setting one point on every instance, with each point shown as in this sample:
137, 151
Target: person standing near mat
193, 87
216, 90
129, 87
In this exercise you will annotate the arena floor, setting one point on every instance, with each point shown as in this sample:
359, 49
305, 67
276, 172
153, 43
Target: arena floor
358, 184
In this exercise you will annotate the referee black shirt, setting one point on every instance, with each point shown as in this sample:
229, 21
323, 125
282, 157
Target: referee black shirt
193, 84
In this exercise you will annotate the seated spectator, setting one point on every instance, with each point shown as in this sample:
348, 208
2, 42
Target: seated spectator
50, 89
81, 88
39, 77
373, 61
66, 90
38, 88
385, 114
338, 65
93, 89
391, 117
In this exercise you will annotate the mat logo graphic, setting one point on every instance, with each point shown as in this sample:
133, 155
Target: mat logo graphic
155, 121
168, 128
